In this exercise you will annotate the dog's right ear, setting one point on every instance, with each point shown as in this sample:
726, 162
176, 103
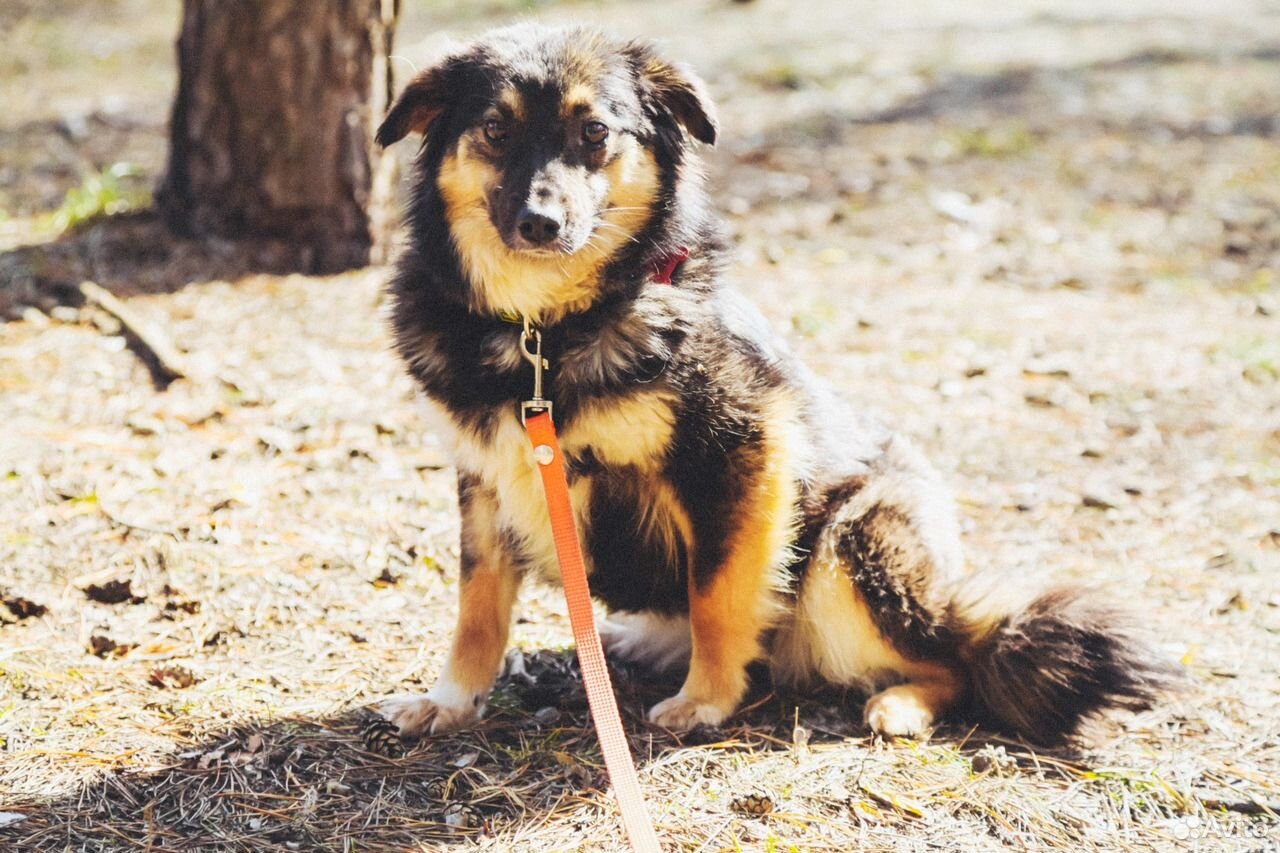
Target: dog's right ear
674, 90
421, 103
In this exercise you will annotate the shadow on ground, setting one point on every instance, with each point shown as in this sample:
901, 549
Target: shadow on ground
327, 784
131, 254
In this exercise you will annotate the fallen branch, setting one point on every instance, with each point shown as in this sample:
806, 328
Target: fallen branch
147, 342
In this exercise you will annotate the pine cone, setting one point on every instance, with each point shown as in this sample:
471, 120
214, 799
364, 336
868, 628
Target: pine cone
753, 804
381, 737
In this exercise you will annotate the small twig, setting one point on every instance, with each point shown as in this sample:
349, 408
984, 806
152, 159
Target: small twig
1245, 807
146, 341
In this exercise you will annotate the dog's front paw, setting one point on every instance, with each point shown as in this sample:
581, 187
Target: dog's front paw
417, 714
898, 712
680, 713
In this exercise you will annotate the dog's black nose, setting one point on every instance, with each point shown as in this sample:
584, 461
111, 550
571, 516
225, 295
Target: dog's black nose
537, 228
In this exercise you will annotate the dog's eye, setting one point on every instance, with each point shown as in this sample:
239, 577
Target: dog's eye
595, 133
495, 130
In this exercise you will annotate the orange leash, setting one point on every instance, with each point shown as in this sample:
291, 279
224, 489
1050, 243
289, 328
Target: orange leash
595, 675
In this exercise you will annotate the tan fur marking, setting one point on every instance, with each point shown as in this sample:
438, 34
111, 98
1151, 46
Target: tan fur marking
666, 516
831, 634
541, 286
633, 431
484, 618
511, 99
576, 98
486, 597
505, 464
729, 616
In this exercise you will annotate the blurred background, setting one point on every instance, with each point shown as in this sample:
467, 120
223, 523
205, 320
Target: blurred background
1043, 238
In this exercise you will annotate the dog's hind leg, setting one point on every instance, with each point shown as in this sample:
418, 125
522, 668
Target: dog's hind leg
873, 608
882, 603
488, 587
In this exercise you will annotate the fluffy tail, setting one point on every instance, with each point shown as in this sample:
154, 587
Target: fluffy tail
1041, 669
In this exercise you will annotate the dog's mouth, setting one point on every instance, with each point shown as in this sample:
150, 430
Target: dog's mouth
558, 249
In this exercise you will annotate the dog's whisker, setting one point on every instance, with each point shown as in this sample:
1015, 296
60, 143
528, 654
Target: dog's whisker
624, 232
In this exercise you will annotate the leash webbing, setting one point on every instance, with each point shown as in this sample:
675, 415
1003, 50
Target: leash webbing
595, 674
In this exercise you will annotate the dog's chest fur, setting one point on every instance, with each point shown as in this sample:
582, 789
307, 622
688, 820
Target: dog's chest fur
616, 451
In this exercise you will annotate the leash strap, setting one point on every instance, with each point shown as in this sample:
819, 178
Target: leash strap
595, 674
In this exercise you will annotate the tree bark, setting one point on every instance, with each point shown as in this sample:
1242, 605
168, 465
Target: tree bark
271, 136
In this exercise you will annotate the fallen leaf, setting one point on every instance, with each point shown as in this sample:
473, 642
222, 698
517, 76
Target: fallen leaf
386, 579
866, 811
24, 608
1220, 561
101, 645
171, 677
993, 759
113, 592
188, 607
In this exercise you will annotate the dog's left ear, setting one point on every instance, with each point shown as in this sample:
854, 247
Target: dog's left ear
420, 104
675, 90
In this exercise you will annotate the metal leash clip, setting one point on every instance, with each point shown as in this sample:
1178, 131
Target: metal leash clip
537, 404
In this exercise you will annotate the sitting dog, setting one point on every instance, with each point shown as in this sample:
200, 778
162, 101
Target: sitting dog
731, 506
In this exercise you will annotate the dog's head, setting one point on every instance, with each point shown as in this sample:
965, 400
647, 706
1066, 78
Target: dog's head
552, 150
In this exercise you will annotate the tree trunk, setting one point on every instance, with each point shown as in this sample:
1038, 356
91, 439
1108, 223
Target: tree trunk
272, 128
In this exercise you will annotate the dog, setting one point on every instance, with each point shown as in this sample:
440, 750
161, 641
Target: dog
732, 507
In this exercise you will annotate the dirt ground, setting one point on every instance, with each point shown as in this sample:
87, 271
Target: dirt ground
1042, 238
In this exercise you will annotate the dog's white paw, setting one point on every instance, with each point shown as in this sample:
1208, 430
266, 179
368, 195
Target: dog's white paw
680, 713
898, 712
660, 643
417, 714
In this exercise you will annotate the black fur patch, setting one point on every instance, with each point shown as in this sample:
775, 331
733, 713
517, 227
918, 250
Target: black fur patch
631, 566
1049, 668
894, 573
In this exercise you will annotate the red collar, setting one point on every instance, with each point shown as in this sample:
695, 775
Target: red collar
665, 267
